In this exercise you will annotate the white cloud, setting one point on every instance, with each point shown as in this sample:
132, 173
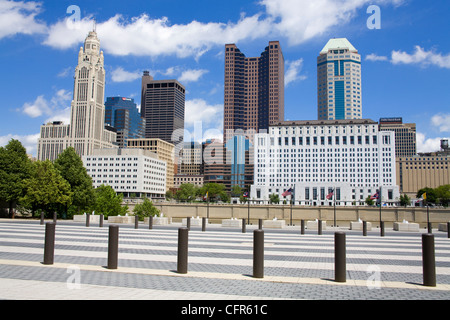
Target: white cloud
198, 110
298, 20
20, 17
425, 144
442, 122
421, 57
143, 36
293, 69
120, 75
192, 75
36, 108
57, 108
374, 57
301, 20
28, 141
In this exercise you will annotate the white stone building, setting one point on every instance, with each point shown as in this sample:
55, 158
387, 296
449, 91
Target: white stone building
128, 171
314, 158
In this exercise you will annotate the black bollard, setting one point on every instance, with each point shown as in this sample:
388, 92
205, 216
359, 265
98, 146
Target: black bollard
428, 260
203, 224
243, 226
258, 253
113, 247
430, 227
448, 230
319, 227
364, 228
182, 263
188, 223
55, 217
150, 222
136, 222
302, 228
382, 228
100, 224
49, 246
42, 218
340, 269
260, 224
88, 218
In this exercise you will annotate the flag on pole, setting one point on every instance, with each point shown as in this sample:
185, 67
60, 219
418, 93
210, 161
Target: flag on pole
375, 196
287, 193
424, 196
206, 196
330, 195
245, 195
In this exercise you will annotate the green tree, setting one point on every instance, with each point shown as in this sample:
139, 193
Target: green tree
169, 195
15, 167
236, 191
443, 194
274, 198
214, 190
224, 197
369, 201
431, 196
405, 200
186, 192
108, 203
73, 171
145, 209
46, 189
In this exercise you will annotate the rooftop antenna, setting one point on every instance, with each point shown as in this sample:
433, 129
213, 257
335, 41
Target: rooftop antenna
95, 25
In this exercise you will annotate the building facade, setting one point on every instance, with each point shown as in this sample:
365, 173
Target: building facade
122, 114
189, 158
405, 135
339, 87
163, 108
254, 89
424, 170
86, 131
196, 180
163, 149
128, 171
314, 158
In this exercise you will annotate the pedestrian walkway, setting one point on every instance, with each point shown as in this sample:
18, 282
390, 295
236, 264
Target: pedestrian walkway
220, 264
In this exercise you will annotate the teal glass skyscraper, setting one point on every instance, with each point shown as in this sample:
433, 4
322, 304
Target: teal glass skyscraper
339, 88
123, 115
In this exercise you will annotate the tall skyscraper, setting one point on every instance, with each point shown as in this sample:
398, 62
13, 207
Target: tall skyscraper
86, 130
339, 89
254, 89
162, 106
122, 114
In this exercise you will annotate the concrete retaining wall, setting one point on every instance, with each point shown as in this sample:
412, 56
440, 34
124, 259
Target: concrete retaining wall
344, 215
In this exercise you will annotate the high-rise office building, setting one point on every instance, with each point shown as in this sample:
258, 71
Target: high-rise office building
339, 88
254, 89
405, 136
86, 131
162, 106
123, 115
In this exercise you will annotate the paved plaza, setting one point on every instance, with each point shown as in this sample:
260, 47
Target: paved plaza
220, 264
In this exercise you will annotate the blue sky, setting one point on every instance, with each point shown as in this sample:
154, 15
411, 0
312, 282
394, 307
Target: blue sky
405, 63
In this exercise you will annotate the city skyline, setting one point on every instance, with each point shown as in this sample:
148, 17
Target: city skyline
405, 62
